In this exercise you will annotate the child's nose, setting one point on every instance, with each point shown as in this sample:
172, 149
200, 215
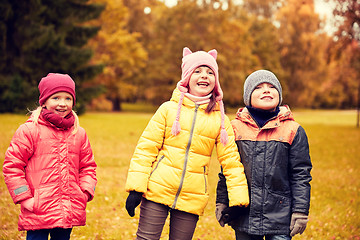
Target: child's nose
266, 88
62, 102
204, 74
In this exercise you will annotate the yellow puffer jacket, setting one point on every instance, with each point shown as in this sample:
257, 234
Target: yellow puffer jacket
173, 170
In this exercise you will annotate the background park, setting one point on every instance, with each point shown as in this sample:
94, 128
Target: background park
125, 57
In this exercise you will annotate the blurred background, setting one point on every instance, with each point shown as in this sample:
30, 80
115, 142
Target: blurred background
129, 51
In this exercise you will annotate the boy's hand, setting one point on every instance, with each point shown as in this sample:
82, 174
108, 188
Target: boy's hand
298, 223
218, 213
132, 201
28, 204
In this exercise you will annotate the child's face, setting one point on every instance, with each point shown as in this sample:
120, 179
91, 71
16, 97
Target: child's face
60, 103
265, 97
202, 81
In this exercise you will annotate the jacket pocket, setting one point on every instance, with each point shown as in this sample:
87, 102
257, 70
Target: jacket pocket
78, 198
278, 207
46, 199
36, 201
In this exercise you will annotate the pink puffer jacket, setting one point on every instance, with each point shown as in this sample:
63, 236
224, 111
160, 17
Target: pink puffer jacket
55, 167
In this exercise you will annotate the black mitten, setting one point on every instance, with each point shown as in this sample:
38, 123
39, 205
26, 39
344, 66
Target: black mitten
231, 213
132, 201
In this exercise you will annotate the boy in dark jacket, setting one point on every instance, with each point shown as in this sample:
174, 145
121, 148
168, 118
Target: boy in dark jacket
275, 153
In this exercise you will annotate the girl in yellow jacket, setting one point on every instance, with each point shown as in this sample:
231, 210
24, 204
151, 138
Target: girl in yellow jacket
169, 169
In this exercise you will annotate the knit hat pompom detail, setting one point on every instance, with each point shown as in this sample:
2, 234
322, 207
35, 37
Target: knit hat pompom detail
191, 61
176, 125
259, 77
224, 138
53, 83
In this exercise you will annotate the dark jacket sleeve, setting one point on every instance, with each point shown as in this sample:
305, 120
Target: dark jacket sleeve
300, 165
221, 190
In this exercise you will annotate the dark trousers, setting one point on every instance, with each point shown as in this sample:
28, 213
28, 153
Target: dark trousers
152, 220
244, 236
43, 234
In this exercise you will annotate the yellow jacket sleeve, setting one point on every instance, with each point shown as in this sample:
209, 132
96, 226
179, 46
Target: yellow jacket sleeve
146, 152
233, 169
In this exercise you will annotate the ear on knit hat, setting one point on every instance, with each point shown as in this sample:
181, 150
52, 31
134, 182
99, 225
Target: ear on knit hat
213, 53
191, 61
53, 83
256, 78
186, 51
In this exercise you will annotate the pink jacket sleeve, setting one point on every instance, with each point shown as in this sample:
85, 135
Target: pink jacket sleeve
16, 159
87, 168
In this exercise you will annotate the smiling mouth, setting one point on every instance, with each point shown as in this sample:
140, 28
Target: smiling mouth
61, 110
204, 84
266, 98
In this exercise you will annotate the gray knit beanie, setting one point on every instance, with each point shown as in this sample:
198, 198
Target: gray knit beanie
256, 78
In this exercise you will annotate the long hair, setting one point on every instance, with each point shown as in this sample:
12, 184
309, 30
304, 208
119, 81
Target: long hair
36, 114
211, 104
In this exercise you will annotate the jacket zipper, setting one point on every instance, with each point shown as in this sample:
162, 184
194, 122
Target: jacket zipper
205, 179
186, 157
161, 158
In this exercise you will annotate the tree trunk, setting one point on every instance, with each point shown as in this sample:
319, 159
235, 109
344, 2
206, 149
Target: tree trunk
358, 107
116, 104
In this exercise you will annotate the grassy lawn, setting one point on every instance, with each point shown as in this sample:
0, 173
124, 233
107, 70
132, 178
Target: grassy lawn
334, 148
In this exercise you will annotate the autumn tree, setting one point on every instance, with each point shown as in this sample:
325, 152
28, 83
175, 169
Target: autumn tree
121, 51
344, 57
263, 8
199, 26
302, 52
349, 25
35, 39
341, 86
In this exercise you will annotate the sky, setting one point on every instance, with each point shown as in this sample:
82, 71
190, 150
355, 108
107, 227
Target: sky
321, 6
324, 9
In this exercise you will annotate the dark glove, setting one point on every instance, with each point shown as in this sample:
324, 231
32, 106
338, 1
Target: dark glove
218, 213
298, 223
132, 201
231, 213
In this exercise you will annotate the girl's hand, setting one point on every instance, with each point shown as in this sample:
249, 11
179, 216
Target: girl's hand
87, 196
132, 201
28, 204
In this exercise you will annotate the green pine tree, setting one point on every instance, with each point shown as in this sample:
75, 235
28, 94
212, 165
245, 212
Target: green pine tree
42, 36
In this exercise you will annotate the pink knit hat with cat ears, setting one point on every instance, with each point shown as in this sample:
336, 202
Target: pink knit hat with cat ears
190, 62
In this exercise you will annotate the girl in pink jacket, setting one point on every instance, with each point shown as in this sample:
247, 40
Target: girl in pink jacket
49, 167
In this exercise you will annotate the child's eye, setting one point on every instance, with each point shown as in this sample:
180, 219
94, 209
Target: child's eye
68, 99
210, 72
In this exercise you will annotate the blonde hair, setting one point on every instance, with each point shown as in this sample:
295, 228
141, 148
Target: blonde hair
36, 114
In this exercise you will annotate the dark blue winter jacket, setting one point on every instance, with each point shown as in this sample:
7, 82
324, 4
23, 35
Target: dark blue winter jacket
277, 167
